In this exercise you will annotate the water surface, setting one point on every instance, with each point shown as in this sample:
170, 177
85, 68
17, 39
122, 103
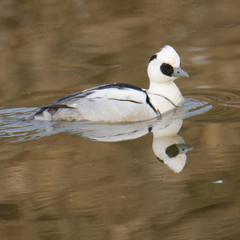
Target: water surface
63, 186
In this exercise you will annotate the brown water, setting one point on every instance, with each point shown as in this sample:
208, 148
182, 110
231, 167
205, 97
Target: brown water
61, 186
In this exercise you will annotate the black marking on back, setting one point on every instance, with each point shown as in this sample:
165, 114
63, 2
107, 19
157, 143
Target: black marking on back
167, 69
153, 57
69, 96
84, 93
172, 151
118, 86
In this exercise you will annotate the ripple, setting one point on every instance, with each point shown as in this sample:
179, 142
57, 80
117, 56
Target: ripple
226, 104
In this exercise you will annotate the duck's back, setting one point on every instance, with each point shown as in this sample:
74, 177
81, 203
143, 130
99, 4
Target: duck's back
109, 103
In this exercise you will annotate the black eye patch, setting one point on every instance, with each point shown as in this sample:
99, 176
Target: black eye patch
153, 57
172, 151
167, 69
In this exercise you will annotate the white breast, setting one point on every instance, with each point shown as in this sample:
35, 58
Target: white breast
161, 103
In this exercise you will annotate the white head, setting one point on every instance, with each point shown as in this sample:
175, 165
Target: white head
176, 156
165, 66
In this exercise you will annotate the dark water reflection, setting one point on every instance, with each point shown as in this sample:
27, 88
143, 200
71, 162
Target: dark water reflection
61, 186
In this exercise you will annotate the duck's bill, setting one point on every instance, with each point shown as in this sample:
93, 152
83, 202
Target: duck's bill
184, 148
178, 72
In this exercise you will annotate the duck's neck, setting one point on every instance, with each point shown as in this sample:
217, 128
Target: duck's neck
167, 89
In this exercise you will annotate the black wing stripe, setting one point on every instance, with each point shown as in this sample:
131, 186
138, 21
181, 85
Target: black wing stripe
121, 100
150, 104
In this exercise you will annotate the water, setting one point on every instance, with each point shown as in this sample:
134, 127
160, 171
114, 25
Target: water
60, 181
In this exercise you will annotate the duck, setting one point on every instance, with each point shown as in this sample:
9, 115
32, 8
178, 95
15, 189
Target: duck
122, 102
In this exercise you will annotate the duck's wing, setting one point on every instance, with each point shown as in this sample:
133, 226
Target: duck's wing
117, 91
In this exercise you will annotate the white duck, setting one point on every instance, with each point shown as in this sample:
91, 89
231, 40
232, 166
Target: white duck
123, 102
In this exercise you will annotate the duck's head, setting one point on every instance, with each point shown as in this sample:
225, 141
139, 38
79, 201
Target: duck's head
165, 66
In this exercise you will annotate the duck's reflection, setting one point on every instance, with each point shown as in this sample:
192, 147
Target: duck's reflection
167, 145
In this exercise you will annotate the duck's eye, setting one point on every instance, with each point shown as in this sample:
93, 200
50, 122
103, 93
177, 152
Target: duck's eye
167, 69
